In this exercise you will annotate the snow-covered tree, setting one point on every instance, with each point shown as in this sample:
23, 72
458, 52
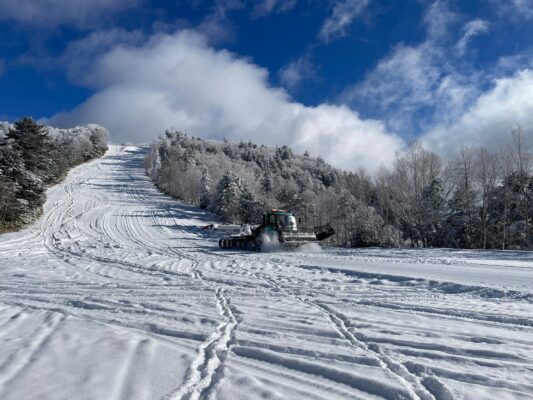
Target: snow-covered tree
266, 183
474, 202
29, 139
206, 188
251, 209
227, 202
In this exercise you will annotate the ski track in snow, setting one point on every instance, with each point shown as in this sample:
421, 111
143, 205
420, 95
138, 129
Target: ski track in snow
116, 293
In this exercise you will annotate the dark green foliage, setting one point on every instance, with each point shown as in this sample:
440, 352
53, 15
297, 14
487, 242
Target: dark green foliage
433, 212
511, 211
30, 140
463, 222
22, 193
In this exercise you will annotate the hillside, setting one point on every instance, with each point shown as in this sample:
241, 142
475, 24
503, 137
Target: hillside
238, 181
477, 199
116, 293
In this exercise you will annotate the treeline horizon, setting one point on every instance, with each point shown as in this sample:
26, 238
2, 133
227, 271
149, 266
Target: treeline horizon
34, 157
478, 199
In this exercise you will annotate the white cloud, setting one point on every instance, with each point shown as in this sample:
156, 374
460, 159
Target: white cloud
91, 47
429, 89
343, 138
217, 28
524, 6
342, 16
507, 65
267, 7
407, 74
473, 28
489, 121
45, 13
179, 81
416, 87
438, 20
295, 72
515, 9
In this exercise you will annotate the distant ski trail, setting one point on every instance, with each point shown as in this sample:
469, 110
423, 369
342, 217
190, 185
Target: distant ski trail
116, 293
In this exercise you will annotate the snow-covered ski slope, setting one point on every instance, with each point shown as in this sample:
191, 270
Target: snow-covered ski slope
116, 294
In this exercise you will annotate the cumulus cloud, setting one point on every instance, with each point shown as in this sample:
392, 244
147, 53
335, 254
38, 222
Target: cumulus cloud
91, 47
342, 16
180, 81
473, 28
489, 121
45, 13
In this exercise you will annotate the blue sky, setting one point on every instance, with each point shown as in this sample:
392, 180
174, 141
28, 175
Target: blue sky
351, 80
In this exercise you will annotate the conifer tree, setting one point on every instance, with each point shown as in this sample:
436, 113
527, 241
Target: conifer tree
30, 139
227, 202
251, 209
433, 212
266, 183
206, 187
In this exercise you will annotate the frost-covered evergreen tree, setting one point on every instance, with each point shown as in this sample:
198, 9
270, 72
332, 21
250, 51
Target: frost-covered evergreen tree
227, 202
266, 183
22, 193
99, 138
30, 139
152, 162
206, 188
251, 209
289, 196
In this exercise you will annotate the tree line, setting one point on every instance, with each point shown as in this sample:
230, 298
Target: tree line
478, 199
33, 157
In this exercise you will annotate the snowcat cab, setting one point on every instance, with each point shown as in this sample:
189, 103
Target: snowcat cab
278, 226
280, 219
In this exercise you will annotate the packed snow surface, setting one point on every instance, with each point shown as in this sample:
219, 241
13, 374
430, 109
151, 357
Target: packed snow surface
117, 294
